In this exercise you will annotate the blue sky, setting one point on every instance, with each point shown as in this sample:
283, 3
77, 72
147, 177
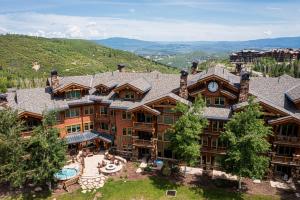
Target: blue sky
177, 20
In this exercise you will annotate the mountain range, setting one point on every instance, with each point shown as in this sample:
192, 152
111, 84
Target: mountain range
145, 48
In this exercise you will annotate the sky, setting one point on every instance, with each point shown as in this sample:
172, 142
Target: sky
161, 20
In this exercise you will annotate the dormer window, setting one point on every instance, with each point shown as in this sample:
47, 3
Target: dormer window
73, 94
129, 95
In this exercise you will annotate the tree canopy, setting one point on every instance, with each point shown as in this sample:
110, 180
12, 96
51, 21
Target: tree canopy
33, 159
185, 133
47, 150
246, 135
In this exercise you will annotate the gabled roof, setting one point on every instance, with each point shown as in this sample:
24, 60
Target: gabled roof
81, 81
140, 85
294, 94
217, 71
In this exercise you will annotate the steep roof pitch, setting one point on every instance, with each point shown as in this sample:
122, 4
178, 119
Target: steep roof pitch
294, 93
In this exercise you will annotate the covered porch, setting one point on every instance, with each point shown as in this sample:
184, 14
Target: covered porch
89, 142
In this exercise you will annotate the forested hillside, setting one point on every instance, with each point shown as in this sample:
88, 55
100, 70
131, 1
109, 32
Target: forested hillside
32, 58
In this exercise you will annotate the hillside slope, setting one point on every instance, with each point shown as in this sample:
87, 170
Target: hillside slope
18, 55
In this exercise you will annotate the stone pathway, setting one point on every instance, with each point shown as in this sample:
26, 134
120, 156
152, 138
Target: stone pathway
91, 179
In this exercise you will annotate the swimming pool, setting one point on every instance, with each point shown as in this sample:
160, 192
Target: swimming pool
65, 174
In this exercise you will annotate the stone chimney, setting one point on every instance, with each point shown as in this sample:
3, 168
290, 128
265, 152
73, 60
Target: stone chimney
244, 86
194, 68
183, 91
121, 67
238, 68
54, 79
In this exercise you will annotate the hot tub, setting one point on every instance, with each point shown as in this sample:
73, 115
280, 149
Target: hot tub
66, 173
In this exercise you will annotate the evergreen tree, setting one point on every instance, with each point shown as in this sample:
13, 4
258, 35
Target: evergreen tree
246, 135
185, 133
12, 149
47, 151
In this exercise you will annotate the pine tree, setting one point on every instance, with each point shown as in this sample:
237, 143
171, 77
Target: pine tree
246, 135
47, 151
12, 149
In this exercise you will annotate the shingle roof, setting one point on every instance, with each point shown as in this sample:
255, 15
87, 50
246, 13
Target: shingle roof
272, 91
217, 113
294, 93
217, 71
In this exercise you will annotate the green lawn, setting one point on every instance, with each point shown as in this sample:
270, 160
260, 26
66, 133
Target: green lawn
154, 188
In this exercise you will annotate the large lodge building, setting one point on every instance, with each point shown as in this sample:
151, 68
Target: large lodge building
130, 112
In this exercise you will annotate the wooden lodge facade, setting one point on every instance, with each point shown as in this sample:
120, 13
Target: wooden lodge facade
132, 111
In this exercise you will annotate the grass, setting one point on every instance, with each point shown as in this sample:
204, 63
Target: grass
154, 189
68, 56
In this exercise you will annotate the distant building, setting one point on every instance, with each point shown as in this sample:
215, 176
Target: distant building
280, 55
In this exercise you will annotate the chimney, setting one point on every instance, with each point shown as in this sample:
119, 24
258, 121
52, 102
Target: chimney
54, 79
238, 68
194, 68
244, 86
121, 67
183, 91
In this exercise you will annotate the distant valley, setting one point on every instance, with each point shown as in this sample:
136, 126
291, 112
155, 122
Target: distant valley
180, 54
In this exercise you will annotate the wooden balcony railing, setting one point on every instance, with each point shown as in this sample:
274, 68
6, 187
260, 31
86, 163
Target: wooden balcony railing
288, 160
144, 143
143, 126
103, 117
219, 150
287, 139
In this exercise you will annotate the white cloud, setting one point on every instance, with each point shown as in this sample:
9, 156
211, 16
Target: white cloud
50, 25
273, 8
268, 32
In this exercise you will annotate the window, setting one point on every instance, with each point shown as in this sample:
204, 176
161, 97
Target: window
289, 130
58, 117
88, 126
103, 110
285, 150
148, 118
73, 112
88, 110
74, 94
208, 101
129, 95
222, 143
167, 153
166, 136
169, 110
126, 115
204, 141
214, 142
219, 101
113, 128
124, 131
127, 131
104, 126
113, 113
73, 128
168, 119
217, 126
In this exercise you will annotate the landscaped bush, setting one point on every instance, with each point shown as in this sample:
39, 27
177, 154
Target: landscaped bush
166, 170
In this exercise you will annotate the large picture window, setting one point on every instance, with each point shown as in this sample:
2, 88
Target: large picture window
74, 94
73, 128
72, 112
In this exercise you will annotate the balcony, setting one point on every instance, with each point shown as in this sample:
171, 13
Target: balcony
102, 117
281, 139
144, 143
286, 160
143, 126
219, 150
